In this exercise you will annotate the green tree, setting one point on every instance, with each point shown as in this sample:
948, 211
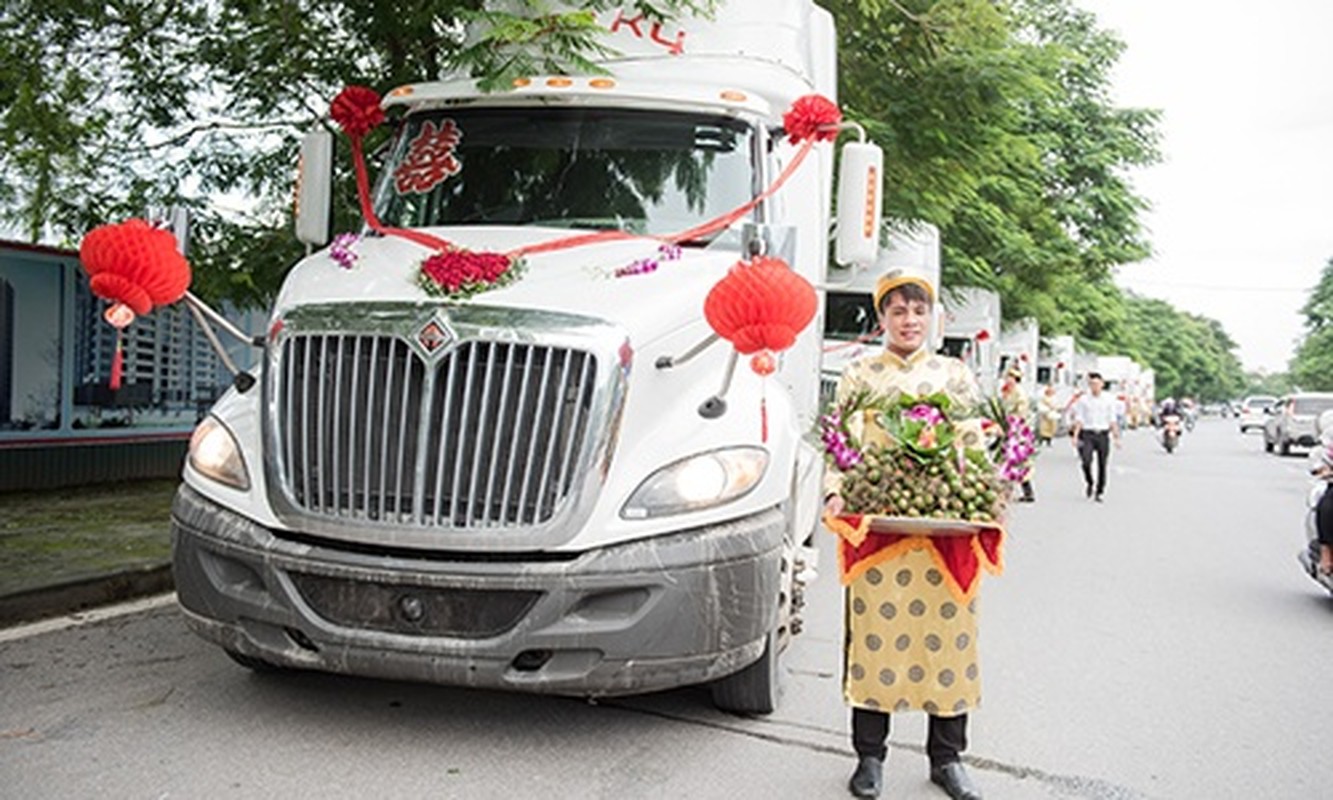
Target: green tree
1191, 355
1276, 383
1311, 368
998, 128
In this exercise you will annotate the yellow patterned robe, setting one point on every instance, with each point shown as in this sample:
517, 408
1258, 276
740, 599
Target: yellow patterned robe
911, 642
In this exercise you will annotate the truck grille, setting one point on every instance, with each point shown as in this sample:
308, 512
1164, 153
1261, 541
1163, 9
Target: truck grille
488, 435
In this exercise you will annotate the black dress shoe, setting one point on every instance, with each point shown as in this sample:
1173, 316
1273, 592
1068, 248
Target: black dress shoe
954, 780
868, 780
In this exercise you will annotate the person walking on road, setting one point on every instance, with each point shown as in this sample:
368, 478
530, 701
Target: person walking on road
1095, 424
1048, 417
910, 644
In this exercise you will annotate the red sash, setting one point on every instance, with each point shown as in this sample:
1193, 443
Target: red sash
960, 558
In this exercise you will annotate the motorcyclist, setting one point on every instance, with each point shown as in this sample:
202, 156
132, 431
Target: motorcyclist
1168, 416
1321, 467
1189, 412
1166, 409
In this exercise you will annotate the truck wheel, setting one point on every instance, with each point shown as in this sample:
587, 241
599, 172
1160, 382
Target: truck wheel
253, 663
755, 689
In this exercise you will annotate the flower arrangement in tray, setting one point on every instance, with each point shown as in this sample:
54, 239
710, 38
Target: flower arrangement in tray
920, 468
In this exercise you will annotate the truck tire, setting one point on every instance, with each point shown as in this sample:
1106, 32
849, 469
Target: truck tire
756, 688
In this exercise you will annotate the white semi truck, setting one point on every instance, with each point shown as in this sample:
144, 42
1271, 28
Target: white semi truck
972, 332
550, 486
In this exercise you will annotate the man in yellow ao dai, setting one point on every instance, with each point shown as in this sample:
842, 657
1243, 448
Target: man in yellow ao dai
910, 639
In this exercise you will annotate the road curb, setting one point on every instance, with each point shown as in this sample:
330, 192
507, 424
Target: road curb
65, 598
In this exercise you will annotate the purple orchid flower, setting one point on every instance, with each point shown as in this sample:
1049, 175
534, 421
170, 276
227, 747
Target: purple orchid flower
924, 413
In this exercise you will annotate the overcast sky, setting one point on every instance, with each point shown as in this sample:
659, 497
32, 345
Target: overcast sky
1242, 219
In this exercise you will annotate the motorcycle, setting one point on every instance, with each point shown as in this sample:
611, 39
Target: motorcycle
1309, 557
1170, 431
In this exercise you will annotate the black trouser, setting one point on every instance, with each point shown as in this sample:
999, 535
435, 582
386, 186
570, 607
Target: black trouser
1098, 442
1323, 517
946, 737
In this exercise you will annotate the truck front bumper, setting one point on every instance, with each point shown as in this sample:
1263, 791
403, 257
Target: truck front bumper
647, 615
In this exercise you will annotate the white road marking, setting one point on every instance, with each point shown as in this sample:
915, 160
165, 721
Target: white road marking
86, 617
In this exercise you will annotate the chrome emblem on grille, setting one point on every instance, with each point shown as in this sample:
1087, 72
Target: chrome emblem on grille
434, 336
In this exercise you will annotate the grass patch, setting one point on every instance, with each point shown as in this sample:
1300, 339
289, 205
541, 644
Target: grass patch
50, 537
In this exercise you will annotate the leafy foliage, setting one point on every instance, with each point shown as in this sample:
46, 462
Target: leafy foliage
1311, 367
1191, 355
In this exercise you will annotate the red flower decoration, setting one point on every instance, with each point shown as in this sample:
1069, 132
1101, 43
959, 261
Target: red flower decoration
760, 305
135, 264
813, 116
462, 273
357, 110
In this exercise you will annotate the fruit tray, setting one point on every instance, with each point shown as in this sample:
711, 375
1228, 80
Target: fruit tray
918, 526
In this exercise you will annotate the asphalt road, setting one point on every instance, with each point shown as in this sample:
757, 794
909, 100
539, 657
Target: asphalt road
1162, 644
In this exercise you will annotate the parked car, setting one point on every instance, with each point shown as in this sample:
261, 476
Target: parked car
1293, 421
1254, 410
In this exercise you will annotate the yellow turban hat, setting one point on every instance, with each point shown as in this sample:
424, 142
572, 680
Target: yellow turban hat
893, 279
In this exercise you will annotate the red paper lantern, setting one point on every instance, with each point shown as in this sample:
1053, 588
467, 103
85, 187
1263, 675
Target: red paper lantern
760, 305
135, 264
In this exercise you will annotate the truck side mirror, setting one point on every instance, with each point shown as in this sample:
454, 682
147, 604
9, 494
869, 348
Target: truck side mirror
860, 204
314, 187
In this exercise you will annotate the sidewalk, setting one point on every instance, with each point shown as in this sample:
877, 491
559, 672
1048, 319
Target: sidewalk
68, 549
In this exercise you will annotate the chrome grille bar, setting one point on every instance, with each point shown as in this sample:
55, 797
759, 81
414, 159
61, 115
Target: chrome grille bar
520, 420
490, 435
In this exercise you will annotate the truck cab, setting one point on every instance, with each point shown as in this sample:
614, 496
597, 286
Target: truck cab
562, 484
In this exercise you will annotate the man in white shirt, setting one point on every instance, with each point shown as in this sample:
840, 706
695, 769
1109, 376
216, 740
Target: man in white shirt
1094, 425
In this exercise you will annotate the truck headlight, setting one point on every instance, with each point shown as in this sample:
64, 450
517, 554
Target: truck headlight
215, 453
698, 482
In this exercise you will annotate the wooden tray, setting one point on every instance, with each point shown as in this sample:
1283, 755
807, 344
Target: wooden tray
919, 526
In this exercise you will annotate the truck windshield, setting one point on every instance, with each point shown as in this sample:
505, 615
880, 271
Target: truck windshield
849, 315
650, 172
